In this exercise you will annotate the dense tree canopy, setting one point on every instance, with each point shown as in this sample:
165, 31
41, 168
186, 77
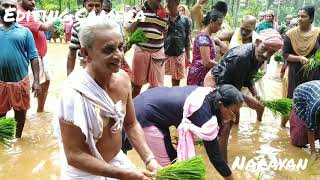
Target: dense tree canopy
237, 8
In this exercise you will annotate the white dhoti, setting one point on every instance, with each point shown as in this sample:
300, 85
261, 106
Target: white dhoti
70, 173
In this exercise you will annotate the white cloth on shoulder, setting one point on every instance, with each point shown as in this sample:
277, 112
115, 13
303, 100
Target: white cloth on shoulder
78, 104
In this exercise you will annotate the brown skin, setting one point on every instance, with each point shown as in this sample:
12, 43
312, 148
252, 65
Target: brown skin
248, 25
261, 16
173, 14
228, 116
288, 19
103, 64
212, 27
154, 4
269, 15
90, 5
29, 5
19, 115
305, 24
106, 7
181, 10
262, 53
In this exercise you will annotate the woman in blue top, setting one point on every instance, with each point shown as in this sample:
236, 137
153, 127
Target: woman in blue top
305, 120
159, 108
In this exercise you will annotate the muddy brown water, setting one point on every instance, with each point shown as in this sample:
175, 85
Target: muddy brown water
36, 156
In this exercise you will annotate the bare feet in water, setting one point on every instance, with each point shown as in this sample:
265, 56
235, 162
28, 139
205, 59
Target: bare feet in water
260, 111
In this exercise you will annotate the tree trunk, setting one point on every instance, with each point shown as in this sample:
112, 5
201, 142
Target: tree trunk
232, 7
270, 2
235, 16
246, 3
60, 5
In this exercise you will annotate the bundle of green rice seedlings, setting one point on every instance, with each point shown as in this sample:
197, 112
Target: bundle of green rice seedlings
192, 169
278, 57
136, 37
7, 130
258, 76
312, 64
259, 177
279, 107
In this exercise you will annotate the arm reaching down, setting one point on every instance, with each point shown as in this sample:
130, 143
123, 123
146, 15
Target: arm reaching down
78, 155
136, 137
216, 158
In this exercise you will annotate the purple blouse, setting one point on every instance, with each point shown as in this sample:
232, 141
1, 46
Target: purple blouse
197, 70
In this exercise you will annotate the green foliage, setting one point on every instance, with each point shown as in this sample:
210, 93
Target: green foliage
253, 8
7, 130
58, 29
259, 176
258, 76
278, 57
198, 142
279, 107
192, 169
228, 19
60, 5
136, 37
312, 64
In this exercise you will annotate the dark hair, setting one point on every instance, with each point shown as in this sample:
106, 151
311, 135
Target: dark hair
221, 6
226, 94
107, 2
84, 2
214, 15
310, 11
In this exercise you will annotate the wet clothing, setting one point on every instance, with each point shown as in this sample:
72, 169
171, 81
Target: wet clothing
163, 107
197, 71
305, 115
298, 130
306, 101
15, 95
237, 67
17, 50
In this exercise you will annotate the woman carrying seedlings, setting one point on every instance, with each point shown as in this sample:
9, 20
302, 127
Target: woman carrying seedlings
202, 110
300, 43
204, 53
305, 118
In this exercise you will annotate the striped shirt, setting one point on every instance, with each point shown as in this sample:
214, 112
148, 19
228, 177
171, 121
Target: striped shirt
154, 28
75, 42
306, 101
